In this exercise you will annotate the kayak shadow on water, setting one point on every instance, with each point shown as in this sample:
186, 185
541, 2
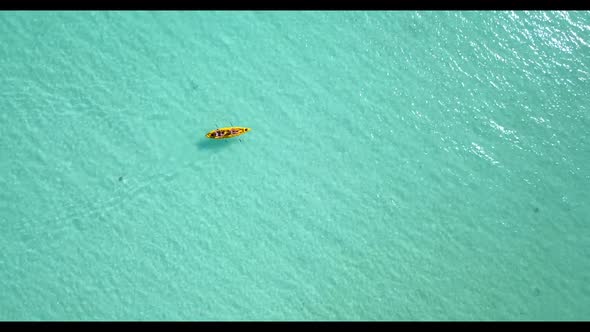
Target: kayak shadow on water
211, 144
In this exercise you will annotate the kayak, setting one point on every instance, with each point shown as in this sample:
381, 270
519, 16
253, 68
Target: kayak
227, 132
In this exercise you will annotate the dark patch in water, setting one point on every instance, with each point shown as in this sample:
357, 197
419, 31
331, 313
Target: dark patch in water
536, 291
211, 144
536, 209
194, 85
120, 178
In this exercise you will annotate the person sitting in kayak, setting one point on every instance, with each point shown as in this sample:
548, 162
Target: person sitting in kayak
220, 133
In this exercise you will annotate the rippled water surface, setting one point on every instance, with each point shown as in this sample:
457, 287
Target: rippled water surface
401, 166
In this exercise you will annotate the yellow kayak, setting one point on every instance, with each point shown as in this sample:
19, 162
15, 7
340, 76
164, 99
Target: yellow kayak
227, 132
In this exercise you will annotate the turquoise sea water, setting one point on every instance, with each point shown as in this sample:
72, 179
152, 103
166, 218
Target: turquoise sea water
401, 166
